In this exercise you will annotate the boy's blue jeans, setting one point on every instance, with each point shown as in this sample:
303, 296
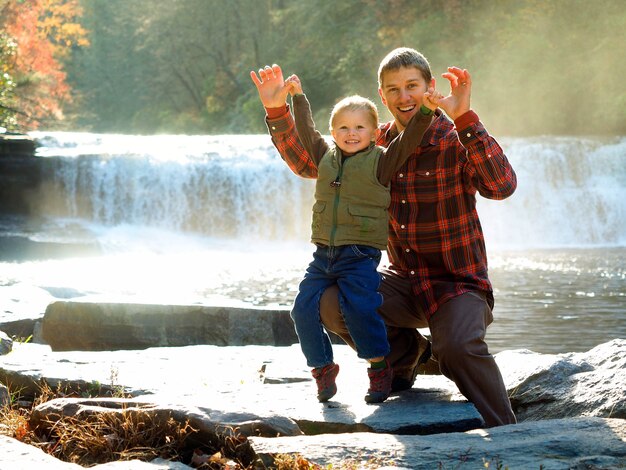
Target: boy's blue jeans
353, 269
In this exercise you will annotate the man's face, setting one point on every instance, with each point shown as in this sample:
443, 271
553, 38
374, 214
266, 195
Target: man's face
402, 92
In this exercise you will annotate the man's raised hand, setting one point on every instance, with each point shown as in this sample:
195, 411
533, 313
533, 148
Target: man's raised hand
271, 86
457, 102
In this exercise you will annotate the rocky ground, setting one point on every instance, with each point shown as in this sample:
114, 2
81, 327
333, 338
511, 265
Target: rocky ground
571, 407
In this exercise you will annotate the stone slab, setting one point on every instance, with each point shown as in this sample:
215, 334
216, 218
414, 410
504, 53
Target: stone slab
576, 443
15, 455
241, 383
105, 326
252, 381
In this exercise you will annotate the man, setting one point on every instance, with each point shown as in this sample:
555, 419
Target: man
437, 276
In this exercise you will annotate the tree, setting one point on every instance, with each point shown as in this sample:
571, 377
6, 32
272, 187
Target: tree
181, 66
7, 85
178, 66
44, 32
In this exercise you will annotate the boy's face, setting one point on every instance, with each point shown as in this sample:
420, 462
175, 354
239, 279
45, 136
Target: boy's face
353, 131
402, 92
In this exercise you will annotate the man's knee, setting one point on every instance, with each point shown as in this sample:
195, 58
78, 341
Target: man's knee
455, 350
459, 328
330, 312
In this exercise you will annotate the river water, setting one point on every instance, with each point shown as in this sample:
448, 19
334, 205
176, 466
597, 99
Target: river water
219, 219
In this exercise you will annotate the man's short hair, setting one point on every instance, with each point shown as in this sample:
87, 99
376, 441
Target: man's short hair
404, 57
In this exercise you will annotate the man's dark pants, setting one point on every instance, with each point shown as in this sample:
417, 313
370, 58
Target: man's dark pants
458, 342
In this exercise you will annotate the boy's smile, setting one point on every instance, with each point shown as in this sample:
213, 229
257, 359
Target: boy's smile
353, 131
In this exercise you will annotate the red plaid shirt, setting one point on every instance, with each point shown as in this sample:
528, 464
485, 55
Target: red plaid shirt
435, 237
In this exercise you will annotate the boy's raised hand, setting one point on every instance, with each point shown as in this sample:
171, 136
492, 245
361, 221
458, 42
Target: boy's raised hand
295, 86
271, 86
432, 98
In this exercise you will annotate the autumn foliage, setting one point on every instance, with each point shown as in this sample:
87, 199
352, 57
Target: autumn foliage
44, 33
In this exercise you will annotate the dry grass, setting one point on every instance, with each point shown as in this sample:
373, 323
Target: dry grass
297, 462
135, 435
109, 437
127, 435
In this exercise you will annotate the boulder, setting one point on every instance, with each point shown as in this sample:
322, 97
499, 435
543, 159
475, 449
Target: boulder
5, 396
6, 343
201, 419
546, 386
24, 328
97, 326
16, 145
575, 443
20, 174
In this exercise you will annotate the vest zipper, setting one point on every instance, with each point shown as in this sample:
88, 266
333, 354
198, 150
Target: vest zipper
333, 229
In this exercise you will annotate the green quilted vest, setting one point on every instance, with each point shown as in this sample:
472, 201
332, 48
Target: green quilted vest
354, 211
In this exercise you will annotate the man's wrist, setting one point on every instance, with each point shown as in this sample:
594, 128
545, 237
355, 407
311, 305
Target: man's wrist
465, 120
273, 113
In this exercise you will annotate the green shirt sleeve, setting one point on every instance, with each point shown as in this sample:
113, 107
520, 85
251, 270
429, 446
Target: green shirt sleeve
402, 147
312, 140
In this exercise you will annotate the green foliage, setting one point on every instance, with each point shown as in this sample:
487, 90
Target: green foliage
94, 388
182, 67
7, 83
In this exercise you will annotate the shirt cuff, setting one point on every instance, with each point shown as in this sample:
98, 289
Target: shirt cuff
465, 120
281, 124
273, 113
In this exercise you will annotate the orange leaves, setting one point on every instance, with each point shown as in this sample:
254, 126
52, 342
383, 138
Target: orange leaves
22, 430
58, 25
44, 31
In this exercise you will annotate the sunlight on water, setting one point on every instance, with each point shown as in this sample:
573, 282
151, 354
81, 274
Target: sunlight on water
570, 261
559, 299
174, 269
546, 300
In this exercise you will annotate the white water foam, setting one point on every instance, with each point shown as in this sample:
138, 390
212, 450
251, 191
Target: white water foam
571, 191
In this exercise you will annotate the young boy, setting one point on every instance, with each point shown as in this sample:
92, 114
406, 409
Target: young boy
349, 228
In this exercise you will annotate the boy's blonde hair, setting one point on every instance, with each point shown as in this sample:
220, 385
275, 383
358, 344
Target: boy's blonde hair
355, 103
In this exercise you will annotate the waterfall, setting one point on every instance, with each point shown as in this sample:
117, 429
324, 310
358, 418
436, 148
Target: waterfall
571, 191
219, 186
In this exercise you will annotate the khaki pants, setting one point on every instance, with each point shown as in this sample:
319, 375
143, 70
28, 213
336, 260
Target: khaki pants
458, 342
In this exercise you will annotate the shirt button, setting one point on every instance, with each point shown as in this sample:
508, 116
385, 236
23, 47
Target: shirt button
427, 173
403, 201
412, 273
273, 128
469, 134
488, 155
400, 175
401, 226
408, 250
